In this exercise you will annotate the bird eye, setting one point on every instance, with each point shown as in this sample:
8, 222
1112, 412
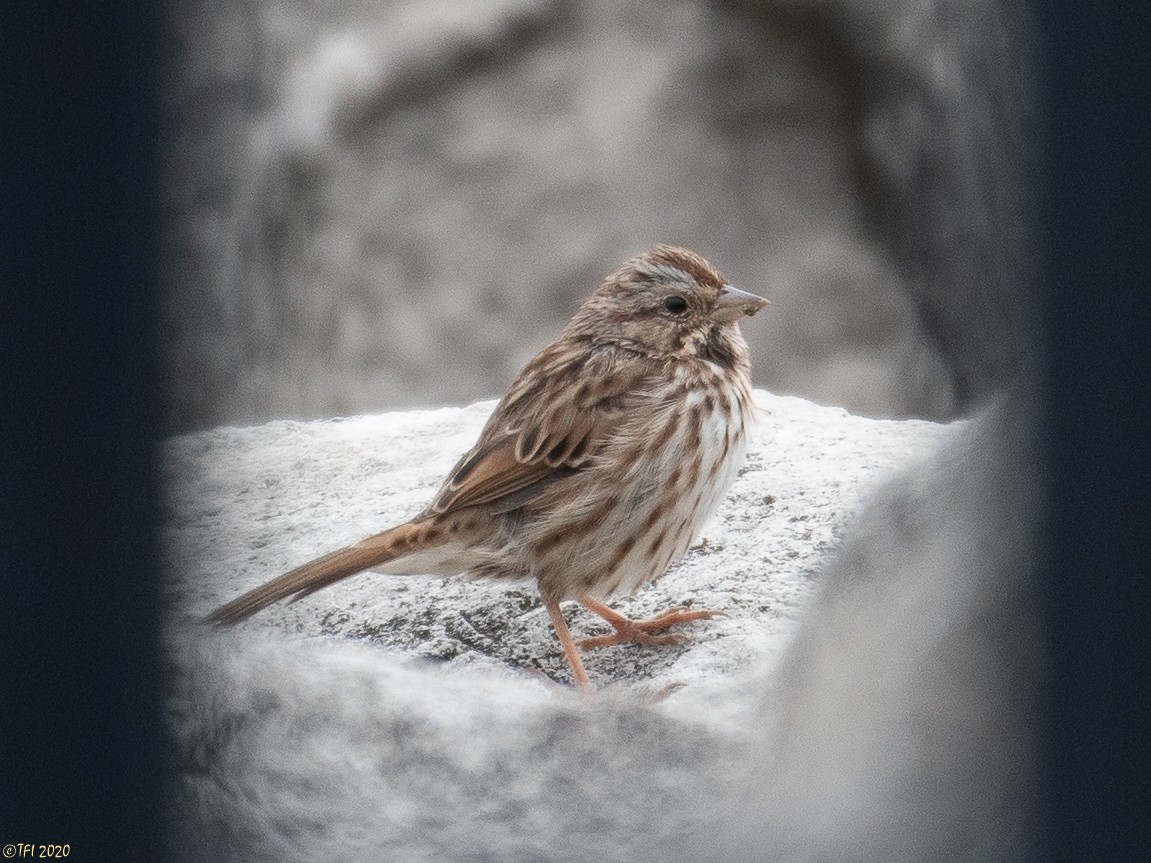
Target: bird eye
677, 305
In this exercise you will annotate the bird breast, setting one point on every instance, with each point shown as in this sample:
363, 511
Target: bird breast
634, 511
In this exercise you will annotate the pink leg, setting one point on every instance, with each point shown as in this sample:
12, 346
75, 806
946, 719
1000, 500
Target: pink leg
579, 675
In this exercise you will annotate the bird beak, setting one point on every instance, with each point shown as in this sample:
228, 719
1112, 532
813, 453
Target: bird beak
732, 304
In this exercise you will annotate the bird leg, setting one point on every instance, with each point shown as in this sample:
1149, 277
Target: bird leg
639, 631
579, 675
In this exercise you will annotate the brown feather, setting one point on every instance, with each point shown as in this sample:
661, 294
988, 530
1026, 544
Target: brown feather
487, 475
529, 439
322, 571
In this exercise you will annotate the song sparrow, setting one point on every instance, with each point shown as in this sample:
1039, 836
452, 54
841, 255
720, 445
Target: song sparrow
597, 467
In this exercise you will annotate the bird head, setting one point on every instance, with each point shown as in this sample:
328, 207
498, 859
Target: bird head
667, 303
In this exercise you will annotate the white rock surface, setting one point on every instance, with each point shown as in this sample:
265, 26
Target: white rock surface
248, 504
866, 705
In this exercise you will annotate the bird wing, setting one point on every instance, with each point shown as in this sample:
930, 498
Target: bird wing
557, 415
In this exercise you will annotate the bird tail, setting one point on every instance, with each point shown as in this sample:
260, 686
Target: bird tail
319, 573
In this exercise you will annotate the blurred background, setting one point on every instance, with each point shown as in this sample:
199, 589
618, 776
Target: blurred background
388, 204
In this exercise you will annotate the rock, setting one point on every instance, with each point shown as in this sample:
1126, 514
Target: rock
250, 503
867, 693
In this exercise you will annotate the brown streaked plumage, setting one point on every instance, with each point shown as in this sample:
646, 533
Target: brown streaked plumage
598, 466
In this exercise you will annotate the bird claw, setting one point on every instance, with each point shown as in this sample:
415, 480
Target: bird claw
642, 631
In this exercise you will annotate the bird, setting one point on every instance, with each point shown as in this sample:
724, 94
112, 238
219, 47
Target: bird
596, 469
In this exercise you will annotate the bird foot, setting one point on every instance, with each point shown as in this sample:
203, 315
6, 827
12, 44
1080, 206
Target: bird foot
644, 631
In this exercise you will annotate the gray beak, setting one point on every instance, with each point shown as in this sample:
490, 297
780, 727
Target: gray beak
732, 304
